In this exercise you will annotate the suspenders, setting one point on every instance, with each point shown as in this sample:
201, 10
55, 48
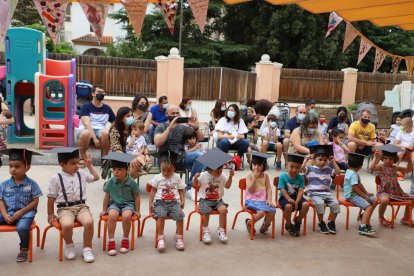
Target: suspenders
66, 196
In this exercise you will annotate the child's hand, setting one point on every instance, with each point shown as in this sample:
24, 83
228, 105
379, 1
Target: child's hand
196, 176
103, 213
377, 153
331, 158
231, 173
151, 207
182, 203
138, 213
8, 219
88, 160
256, 174
17, 216
51, 218
296, 205
270, 203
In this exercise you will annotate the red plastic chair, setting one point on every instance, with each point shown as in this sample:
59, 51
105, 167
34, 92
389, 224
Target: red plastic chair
339, 182
242, 187
12, 228
150, 215
104, 219
408, 204
197, 210
56, 224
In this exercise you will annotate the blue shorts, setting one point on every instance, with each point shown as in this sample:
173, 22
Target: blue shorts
259, 206
361, 202
95, 130
120, 208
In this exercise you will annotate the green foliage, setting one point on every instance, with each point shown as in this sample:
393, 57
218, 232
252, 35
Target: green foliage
26, 14
352, 107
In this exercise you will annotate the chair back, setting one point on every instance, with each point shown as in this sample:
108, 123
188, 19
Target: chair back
242, 187
148, 188
196, 189
339, 182
276, 184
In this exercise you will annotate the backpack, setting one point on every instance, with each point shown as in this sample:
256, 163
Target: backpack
370, 107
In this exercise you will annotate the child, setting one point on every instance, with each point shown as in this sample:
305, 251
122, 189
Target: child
259, 193
356, 193
136, 145
322, 126
389, 189
67, 188
291, 186
211, 185
190, 136
405, 140
166, 199
339, 148
382, 136
270, 140
342, 122
319, 180
19, 197
121, 198
251, 135
395, 128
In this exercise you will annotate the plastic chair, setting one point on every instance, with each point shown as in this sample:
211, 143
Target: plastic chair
105, 218
339, 182
197, 210
242, 187
150, 215
282, 231
56, 224
408, 204
12, 228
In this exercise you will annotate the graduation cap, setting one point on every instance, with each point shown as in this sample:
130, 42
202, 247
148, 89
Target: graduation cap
296, 158
259, 157
324, 150
119, 159
66, 153
18, 154
355, 160
214, 159
167, 156
390, 150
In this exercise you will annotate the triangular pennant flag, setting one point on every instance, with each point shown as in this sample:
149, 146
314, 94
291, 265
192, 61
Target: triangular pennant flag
199, 8
379, 58
96, 15
409, 62
136, 10
334, 21
364, 48
350, 35
7, 8
53, 13
396, 60
168, 9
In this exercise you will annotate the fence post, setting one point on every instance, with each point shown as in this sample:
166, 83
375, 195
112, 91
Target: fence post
349, 86
267, 79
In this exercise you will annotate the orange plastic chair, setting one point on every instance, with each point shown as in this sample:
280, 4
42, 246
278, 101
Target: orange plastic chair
339, 182
104, 219
150, 215
242, 187
12, 228
197, 210
56, 224
408, 204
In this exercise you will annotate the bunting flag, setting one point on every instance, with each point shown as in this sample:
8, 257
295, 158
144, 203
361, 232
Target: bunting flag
379, 58
96, 14
53, 13
7, 8
136, 10
396, 60
364, 48
334, 21
200, 8
168, 9
409, 62
350, 34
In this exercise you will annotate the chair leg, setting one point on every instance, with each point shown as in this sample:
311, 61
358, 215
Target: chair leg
99, 227
347, 218
189, 218
132, 235
235, 218
201, 226
60, 245
314, 220
305, 221
273, 227
44, 236
139, 227
31, 246
282, 231
252, 222
392, 216
410, 216
156, 235
143, 224
396, 212
104, 235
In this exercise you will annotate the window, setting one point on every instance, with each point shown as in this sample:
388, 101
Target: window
68, 12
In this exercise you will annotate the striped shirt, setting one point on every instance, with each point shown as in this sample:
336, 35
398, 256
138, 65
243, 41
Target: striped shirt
319, 180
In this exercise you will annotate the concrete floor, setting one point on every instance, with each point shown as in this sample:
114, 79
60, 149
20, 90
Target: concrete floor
347, 253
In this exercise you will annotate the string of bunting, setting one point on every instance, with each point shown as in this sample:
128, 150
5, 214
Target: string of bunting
365, 46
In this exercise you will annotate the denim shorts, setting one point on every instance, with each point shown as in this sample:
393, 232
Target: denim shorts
321, 200
207, 206
361, 202
120, 207
95, 130
259, 206
168, 209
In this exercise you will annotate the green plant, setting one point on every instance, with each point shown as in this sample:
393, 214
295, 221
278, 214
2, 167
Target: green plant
352, 107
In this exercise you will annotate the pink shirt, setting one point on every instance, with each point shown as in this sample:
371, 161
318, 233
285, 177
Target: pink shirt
339, 153
260, 193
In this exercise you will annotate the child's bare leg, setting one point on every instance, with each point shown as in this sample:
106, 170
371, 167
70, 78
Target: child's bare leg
258, 216
384, 201
86, 220
180, 227
264, 146
206, 219
400, 157
269, 217
222, 217
368, 213
320, 217
303, 211
112, 219
67, 223
160, 225
279, 150
332, 216
126, 222
288, 214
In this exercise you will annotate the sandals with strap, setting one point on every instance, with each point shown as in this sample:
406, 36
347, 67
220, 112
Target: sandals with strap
406, 222
22, 257
179, 242
384, 222
264, 228
248, 225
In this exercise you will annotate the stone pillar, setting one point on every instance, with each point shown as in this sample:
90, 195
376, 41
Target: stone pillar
349, 86
170, 76
267, 79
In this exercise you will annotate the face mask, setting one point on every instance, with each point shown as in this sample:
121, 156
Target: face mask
129, 120
272, 124
312, 110
170, 118
165, 106
231, 114
223, 108
142, 107
311, 131
365, 121
300, 116
322, 121
243, 107
188, 107
100, 96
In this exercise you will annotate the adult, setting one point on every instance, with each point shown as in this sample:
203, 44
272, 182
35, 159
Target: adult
217, 113
292, 124
310, 105
6, 118
187, 110
261, 107
158, 112
305, 136
231, 131
140, 106
340, 121
120, 131
361, 135
94, 117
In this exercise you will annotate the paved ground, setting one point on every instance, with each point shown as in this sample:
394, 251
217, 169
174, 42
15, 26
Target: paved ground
347, 253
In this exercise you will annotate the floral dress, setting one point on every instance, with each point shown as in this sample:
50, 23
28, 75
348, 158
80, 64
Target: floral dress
390, 187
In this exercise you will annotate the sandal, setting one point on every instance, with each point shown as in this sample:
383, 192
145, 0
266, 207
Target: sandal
248, 225
384, 222
264, 228
179, 242
406, 222
22, 256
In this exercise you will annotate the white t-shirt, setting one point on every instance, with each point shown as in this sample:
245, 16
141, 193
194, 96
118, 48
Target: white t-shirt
167, 188
231, 127
211, 188
71, 184
139, 142
406, 139
266, 131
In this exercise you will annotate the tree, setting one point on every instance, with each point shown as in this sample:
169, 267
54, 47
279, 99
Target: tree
26, 14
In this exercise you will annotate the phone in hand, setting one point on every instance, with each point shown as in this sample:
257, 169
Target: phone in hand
182, 120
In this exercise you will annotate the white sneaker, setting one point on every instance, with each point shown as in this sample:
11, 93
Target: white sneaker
87, 255
206, 237
70, 252
190, 194
161, 243
222, 235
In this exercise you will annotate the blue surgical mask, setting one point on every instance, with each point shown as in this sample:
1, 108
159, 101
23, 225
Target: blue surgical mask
165, 106
231, 114
272, 124
300, 116
188, 107
129, 120
243, 107
311, 130
223, 108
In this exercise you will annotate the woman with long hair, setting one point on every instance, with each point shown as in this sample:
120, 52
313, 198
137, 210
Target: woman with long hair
140, 107
120, 131
217, 113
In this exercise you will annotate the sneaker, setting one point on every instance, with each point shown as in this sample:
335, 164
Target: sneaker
297, 225
190, 194
365, 230
278, 166
222, 235
291, 230
206, 237
112, 248
161, 243
70, 252
322, 227
332, 227
179, 242
124, 246
87, 255
264, 228
372, 230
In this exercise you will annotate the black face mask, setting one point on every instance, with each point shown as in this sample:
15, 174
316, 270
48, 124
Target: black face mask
170, 118
142, 107
100, 96
365, 121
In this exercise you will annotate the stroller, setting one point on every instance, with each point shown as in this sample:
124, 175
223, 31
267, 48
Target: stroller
83, 94
284, 115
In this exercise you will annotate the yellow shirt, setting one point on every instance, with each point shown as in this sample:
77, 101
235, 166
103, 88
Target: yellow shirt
360, 132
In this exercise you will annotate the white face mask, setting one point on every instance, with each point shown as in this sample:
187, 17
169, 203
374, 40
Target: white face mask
188, 107
223, 108
231, 114
272, 124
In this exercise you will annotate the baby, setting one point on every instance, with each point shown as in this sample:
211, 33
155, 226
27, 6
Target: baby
136, 145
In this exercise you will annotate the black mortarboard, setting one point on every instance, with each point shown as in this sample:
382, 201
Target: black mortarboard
325, 150
119, 159
19, 154
260, 157
296, 158
214, 159
355, 160
390, 150
167, 156
66, 153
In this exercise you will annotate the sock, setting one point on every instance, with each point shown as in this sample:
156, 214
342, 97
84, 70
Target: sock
111, 240
205, 229
362, 225
220, 229
70, 245
125, 238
